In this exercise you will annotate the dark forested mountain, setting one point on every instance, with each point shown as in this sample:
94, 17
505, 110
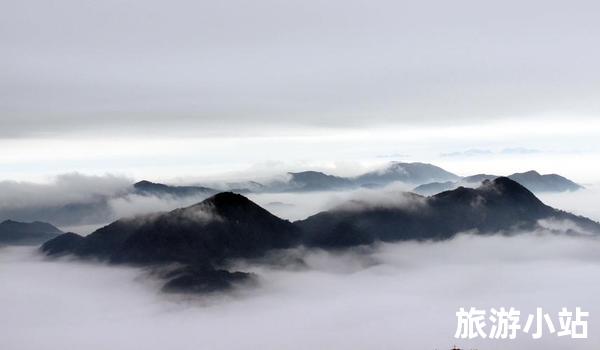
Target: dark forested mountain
201, 236
532, 180
498, 205
22, 233
222, 226
227, 225
415, 173
67, 242
157, 189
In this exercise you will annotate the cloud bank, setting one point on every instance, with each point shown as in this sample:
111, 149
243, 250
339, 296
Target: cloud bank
206, 68
62, 189
393, 295
81, 203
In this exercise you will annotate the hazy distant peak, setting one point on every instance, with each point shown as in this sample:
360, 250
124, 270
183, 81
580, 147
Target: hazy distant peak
38, 225
146, 187
417, 173
311, 175
537, 182
529, 173
532, 180
499, 188
316, 181
307, 173
24, 233
478, 178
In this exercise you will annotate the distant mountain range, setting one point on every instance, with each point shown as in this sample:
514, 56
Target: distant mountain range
428, 178
317, 181
536, 182
22, 233
411, 173
532, 180
91, 211
157, 189
203, 237
307, 181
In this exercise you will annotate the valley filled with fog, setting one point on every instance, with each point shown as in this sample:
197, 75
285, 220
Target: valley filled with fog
392, 295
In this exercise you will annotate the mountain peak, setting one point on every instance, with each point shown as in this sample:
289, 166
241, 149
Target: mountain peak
307, 173
531, 172
498, 205
510, 189
505, 184
232, 207
143, 183
544, 183
407, 172
225, 199
315, 180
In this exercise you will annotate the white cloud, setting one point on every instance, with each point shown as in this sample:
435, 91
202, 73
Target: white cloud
393, 295
62, 189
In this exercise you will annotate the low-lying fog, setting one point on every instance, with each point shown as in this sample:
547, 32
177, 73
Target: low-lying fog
300, 205
582, 202
395, 296
297, 206
109, 197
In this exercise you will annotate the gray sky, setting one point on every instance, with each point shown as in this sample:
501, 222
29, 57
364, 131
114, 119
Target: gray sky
76, 71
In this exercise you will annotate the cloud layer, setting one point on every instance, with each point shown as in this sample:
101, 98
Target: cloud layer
80, 202
389, 296
206, 68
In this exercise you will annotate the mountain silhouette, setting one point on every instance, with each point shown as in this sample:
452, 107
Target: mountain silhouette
22, 233
498, 205
532, 180
536, 182
415, 173
203, 237
432, 188
145, 187
317, 181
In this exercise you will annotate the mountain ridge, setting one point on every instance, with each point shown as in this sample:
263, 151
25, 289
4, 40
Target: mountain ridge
226, 226
22, 233
531, 179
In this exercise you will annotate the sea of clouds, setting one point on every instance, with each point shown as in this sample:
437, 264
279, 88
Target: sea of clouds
402, 295
389, 296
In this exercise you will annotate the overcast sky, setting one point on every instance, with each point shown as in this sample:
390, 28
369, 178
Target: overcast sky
85, 84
